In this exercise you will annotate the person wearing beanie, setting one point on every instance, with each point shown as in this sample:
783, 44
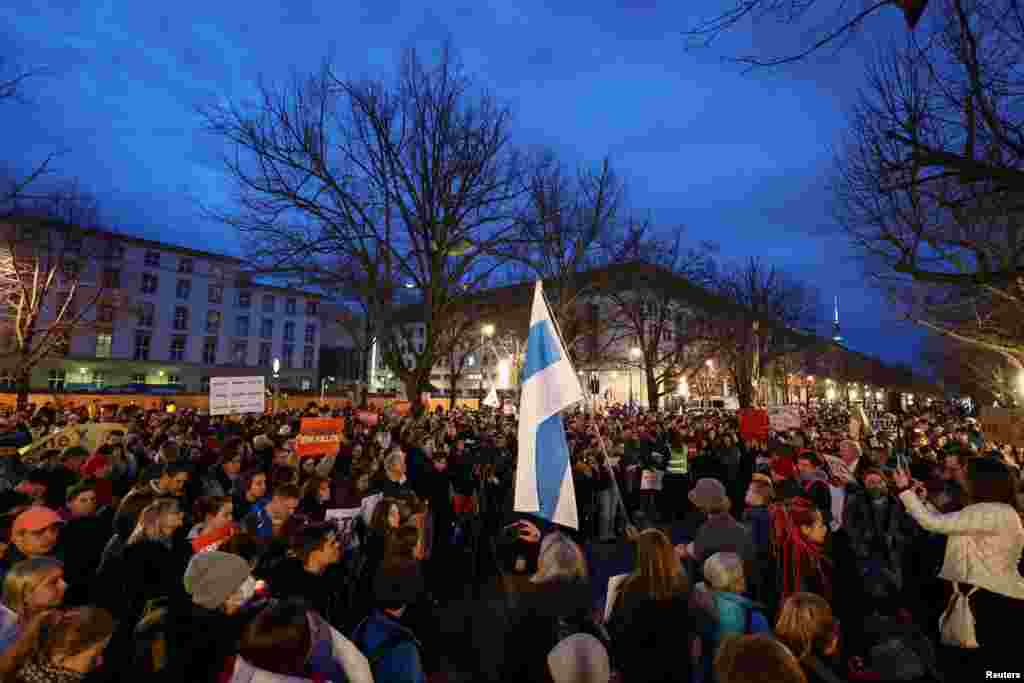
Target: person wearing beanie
193, 638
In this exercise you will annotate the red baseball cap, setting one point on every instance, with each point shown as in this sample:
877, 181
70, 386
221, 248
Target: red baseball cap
36, 518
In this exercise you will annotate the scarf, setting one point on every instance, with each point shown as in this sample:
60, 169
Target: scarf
798, 557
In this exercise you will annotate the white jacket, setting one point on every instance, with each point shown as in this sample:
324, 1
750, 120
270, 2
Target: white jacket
984, 546
334, 657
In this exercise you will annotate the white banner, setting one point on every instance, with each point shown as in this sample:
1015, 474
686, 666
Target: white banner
237, 395
782, 418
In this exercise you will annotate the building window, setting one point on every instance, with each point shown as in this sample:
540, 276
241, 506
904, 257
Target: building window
419, 347
213, 322
311, 333
264, 360
204, 383
289, 306
210, 351
114, 251
216, 271
244, 299
311, 308
104, 342
306, 383
267, 328
142, 340
146, 313
242, 326
149, 283
105, 313
289, 331
239, 352
152, 259
308, 358
288, 356
99, 379
57, 380
216, 294
139, 378
268, 303
181, 318
184, 265
184, 289
111, 278
174, 379
178, 347
7, 380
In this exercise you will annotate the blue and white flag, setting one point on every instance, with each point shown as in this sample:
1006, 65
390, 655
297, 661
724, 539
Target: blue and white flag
548, 386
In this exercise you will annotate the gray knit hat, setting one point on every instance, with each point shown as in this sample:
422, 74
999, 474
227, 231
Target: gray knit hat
213, 576
580, 658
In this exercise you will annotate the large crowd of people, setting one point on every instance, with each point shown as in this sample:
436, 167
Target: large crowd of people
193, 548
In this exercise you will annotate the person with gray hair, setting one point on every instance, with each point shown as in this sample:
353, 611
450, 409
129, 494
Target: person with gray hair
730, 612
554, 604
394, 482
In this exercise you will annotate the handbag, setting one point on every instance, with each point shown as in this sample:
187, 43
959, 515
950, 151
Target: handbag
956, 625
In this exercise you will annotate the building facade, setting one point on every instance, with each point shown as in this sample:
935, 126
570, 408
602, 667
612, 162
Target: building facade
174, 316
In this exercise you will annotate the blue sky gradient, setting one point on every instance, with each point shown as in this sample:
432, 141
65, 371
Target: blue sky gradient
739, 159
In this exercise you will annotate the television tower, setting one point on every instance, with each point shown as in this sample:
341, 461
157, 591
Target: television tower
837, 337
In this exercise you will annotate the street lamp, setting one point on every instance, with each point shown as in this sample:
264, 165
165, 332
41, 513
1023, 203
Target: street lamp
323, 387
487, 330
277, 374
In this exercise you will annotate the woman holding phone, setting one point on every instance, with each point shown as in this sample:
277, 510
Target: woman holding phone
983, 552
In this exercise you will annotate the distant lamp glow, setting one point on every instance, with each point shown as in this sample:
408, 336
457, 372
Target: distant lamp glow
830, 394
504, 373
276, 366
878, 395
710, 363
487, 330
635, 352
161, 373
684, 388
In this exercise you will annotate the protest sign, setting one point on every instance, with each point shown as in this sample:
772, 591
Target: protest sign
237, 395
754, 425
367, 418
652, 480
344, 519
783, 418
319, 436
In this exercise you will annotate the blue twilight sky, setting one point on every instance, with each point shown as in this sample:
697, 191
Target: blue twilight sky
740, 159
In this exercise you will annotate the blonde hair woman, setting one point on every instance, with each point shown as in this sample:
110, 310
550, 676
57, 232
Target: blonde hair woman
656, 593
30, 587
153, 560
58, 646
555, 603
807, 627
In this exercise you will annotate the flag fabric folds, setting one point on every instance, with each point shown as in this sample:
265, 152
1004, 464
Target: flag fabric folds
549, 385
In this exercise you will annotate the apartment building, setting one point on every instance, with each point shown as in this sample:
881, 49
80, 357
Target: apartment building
176, 316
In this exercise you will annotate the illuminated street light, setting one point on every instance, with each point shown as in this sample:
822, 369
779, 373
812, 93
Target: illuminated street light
487, 330
635, 352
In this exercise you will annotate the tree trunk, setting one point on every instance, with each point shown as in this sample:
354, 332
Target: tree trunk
416, 381
24, 386
653, 398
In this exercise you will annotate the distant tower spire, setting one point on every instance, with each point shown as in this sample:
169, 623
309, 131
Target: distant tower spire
837, 337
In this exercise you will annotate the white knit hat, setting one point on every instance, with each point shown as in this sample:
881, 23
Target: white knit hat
580, 658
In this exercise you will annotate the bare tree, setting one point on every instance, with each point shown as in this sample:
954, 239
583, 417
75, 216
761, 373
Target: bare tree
659, 305
415, 181
571, 225
769, 314
985, 376
929, 186
51, 279
16, 189
825, 24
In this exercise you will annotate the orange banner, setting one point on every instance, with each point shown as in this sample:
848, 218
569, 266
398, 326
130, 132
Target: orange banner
319, 436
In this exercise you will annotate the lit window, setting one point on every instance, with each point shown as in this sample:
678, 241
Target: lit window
210, 351
142, 340
56, 380
184, 265
152, 259
104, 343
178, 347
